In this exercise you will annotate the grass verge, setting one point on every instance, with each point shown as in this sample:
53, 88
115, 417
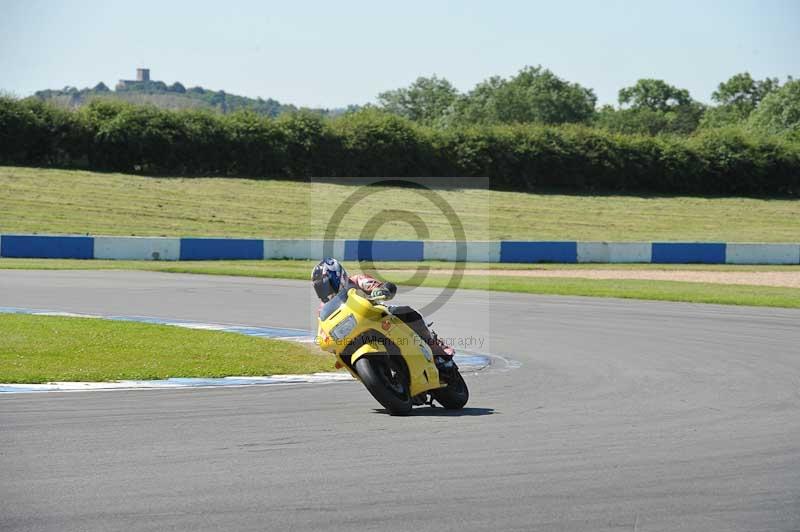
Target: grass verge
36, 349
301, 269
722, 294
34, 200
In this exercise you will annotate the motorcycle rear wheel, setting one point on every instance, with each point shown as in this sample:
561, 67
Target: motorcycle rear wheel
387, 381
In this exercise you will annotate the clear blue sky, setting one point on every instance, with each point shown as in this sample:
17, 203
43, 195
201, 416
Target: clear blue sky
330, 54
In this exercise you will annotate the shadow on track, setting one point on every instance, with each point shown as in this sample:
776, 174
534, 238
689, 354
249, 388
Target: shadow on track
443, 412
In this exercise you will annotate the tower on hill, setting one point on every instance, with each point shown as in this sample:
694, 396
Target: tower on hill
142, 76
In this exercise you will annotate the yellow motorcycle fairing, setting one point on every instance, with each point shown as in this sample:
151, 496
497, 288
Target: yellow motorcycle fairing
379, 334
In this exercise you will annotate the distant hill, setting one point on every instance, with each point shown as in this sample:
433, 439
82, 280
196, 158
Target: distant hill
174, 96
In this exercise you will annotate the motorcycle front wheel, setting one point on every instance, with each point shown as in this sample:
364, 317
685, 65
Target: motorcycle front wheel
386, 379
455, 395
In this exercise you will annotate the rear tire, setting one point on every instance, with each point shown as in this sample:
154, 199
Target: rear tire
455, 395
387, 380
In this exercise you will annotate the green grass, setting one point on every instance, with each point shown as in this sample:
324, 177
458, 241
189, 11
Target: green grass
301, 269
722, 294
35, 349
247, 268
637, 289
75, 202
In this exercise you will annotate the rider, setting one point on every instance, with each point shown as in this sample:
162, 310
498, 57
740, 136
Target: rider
330, 277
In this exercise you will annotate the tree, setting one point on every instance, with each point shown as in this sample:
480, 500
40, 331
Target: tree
177, 87
425, 100
101, 87
533, 95
155, 86
653, 94
738, 98
779, 111
218, 99
631, 121
653, 106
682, 120
479, 106
743, 91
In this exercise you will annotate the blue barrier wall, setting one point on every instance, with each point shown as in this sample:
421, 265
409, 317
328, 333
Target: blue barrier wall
173, 248
561, 252
221, 249
688, 253
47, 247
383, 250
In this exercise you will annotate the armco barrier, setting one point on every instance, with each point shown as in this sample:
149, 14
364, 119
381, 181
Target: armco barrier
300, 249
383, 250
476, 251
619, 252
763, 254
136, 248
163, 248
47, 247
688, 253
528, 252
221, 249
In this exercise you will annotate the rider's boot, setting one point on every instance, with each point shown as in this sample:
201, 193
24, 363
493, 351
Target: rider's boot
442, 353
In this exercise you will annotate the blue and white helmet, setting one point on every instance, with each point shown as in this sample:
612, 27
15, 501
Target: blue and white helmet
328, 277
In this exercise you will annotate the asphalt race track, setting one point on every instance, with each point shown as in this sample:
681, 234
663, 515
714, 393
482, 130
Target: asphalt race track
623, 415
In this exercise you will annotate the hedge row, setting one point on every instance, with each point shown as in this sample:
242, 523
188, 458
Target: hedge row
126, 138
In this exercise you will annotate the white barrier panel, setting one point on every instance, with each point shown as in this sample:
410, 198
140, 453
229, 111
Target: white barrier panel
763, 254
619, 252
476, 251
137, 248
300, 249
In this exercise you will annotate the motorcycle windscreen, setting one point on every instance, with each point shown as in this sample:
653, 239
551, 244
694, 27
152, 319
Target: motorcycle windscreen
333, 305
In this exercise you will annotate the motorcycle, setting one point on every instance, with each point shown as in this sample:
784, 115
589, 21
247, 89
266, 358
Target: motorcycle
386, 355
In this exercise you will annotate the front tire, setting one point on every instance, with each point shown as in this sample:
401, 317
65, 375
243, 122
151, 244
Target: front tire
387, 380
455, 395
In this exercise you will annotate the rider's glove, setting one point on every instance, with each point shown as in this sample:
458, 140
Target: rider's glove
387, 291
391, 287
380, 293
